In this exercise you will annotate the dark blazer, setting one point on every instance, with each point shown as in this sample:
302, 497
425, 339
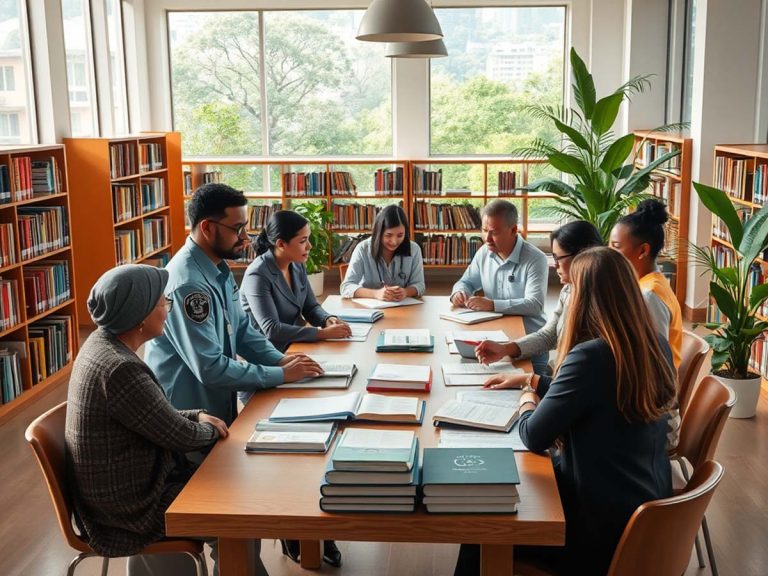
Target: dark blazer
607, 466
279, 312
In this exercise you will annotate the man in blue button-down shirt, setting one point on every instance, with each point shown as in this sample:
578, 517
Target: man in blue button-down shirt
511, 272
195, 359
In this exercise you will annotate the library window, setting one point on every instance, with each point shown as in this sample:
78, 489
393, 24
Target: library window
79, 67
17, 106
499, 60
117, 66
7, 79
326, 93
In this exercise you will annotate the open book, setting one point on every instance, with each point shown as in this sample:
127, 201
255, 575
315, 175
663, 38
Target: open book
291, 437
487, 409
400, 377
352, 406
467, 316
338, 373
475, 374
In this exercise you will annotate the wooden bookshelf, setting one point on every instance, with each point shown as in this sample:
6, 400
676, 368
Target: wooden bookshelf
127, 205
672, 184
35, 210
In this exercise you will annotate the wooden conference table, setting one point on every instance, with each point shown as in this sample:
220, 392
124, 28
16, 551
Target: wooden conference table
236, 496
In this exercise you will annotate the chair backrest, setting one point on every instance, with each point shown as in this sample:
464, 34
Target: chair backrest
46, 436
342, 271
704, 420
659, 536
692, 355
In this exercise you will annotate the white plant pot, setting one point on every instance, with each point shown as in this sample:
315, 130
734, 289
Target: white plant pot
747, 393
316, 282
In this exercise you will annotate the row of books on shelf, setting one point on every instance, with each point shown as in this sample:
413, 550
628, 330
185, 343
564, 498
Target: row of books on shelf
671, 239
259, 214
508, 183
155, 233
441, 249
388, 182
734, 176
304, 183
668, 191
354, 216
122, 160
435, 216
150, 156
720, 230
7, 244
42, 229
760, 184
427, 182
651, 150
207, 177
127, 246
10, 369
249, 253
342, 184
127, 204
26, 179
10, 311
46, 285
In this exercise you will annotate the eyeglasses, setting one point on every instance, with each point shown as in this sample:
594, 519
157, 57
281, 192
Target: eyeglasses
559, 259
168, 304
239, 230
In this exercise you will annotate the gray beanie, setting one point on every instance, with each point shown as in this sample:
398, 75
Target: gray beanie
124, 296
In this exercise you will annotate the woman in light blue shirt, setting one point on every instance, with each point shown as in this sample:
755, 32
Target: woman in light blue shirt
386, 266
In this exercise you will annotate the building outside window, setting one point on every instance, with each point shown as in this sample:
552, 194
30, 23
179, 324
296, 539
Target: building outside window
77, 33
17, 104
117, 66
7, 79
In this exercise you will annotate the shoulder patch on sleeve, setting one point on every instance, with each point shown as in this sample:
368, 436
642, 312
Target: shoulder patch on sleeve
197, 306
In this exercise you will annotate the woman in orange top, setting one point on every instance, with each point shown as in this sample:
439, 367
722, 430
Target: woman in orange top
639, 236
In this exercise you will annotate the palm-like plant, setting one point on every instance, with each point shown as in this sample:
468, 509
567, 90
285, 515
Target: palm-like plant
601, 184
731, 286
319, 235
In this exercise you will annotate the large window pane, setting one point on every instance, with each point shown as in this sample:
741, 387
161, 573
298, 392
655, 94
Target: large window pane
499, 60
16, 93
82, 102
117, 66
326, 93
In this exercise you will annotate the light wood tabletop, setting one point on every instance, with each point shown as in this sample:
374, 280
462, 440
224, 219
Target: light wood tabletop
237, 496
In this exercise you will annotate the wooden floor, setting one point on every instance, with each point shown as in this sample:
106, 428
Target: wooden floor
31, 544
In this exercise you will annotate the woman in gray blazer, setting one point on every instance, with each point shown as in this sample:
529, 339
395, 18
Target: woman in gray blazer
275, 290
386, 266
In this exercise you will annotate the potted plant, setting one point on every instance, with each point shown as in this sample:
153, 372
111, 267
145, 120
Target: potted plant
319, 236
602, 180
738, 300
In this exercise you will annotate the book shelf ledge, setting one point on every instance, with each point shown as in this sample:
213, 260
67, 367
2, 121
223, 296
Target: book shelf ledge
9, 267
743, 202
443, 196
450, 266
125, 178
12, 329
153, 253
447, 231
250, 196
723, 242
140, 216
368, 195
45, 313
351, 230
154, 172
34, 200
47, 255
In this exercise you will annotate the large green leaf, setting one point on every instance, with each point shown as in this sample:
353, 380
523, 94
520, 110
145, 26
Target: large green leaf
718, 203
617, 153
567, 163
575, 136
724, 301
606, 110
643, 175
718, 359
583, 85
755, 236
758, 295
718, 343
551, 185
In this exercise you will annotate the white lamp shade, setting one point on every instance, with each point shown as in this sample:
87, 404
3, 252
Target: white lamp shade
428, 49
399, 21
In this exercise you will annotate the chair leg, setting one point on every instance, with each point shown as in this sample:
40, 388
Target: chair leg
76, 561
708, 544
104, 566
697, 542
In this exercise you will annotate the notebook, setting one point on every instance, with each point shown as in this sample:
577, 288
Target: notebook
400, 377
339, 373
475, 374
291, 437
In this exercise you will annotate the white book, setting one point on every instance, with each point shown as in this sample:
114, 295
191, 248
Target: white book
354, 405
400, 377
477, 335
356, 314
374, 303
475, 374
359, 333
467, 316
291, 437
407, 337
338, 373
485, 409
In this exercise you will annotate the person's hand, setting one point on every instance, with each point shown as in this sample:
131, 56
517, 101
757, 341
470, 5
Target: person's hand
489, 351
217, 423
384, 294
396, 293
300, 367
459, 300
334, 320
334, 331
480, 304
500, 381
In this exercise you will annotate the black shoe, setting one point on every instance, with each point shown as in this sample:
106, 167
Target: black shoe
291, 548
331, 554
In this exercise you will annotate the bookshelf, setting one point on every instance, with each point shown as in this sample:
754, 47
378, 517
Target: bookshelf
38, 314
447, 195
127, 203
353, 189
741, 170
672, 184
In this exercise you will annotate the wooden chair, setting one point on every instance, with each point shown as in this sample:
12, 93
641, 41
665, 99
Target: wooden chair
342, 271
693, 352
46, 436
700, 432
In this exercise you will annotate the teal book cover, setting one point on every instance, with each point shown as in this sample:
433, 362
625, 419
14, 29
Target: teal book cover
469, 466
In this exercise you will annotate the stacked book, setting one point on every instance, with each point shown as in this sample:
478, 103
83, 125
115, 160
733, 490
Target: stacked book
301, 437
405, 340
470, 480
372, 471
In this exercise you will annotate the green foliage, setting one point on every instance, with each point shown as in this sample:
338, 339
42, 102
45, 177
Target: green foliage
319, 236
601, 181
730, 287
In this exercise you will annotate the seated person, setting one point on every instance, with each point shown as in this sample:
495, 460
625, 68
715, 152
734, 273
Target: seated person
125, 442
511, 272
275, 291
386, 266
608, 407
567, 242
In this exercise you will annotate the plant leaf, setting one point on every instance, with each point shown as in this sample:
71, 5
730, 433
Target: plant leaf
617, 153
718, 203
566, 163
725, 301
573, 134
583, 85
755, 236
758, 295
606, 110
718, 359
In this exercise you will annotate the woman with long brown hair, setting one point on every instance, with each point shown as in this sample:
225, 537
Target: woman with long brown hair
608, 405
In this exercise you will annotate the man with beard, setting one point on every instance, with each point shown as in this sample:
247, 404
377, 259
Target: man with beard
195, 359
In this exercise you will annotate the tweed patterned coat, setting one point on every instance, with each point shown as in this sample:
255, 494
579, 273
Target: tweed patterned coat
125, 445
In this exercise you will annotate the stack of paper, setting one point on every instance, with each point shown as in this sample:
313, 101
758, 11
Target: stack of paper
404, 340
291, 437
475, 374
338, 373
400, 377
357, 315
359, 334
486, 409
372, 471
470, 480
352, 406
467, 316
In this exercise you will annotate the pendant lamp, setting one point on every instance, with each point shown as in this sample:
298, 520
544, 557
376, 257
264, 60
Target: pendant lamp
428, 49
399, 21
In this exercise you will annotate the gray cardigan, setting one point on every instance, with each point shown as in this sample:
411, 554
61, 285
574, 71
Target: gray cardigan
546, 337
279, 312
125, 445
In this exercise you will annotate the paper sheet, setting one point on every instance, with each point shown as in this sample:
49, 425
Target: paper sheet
373, 303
